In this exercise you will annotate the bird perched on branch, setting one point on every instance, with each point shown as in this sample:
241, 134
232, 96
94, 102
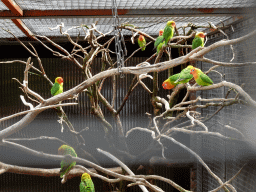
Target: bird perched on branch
201, 78
185, 75
170, 82
159, 47
198, 40
159, 39
57, 87
65, 164
142, 42
168, 31
86, 184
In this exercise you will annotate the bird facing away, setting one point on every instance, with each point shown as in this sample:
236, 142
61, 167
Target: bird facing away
65, 164
57, 87
198, 40
142, 42
201, 78
159, 39
168, 31
86, 184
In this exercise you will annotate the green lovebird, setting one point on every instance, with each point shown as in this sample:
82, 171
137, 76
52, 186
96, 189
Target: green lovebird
66, 165
168, 31
170, 82
185, 75
57, 87
201, 78
159, 39
198, 40
142, 42
159, 47
86, 184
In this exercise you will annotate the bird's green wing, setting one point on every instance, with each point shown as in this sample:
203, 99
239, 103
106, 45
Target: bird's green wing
142, 44
185, 76
158, 41
205, 78
168, 34
174, 77
159, 47
56, 89
197, 41
65, 167
87, 186
65, 164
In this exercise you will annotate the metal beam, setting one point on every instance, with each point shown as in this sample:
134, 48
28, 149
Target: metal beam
15, 9
18, 12
130, 13
23, 27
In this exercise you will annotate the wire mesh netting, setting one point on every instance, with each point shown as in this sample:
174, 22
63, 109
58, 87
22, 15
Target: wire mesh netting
3, 6
7, 24
152, 24
132, 4
229, 158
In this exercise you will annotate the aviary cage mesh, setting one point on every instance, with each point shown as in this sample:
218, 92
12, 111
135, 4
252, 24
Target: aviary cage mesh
221, 155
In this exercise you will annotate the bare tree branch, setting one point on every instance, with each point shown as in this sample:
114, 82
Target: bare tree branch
75, 172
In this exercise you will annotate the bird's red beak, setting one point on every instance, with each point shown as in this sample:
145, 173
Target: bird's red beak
164, 85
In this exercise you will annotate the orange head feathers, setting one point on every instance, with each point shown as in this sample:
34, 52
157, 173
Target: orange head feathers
200, 34
141, 37
171, 23
59, 80
161, 32
167, 84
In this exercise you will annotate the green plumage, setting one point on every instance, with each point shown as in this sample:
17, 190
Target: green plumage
159, 39
197, 41
86, 184
201, 78
142, 43
65, 164
57, 87
170, 82
174, 77
185, 75
159, 47
168, 32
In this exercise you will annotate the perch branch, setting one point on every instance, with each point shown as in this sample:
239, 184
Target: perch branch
227, 182
134, 70
75, 172
197, 121
143, 188
37, 109
198, 158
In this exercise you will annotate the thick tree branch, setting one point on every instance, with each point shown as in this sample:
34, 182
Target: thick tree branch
75, 172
